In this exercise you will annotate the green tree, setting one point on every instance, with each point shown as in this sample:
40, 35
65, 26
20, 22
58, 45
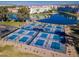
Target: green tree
23, 12
37, 10
3, 13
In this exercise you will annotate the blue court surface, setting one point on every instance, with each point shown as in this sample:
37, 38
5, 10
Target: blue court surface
43, 35
59, 27
32, 25
56, 37
43, 39
21, 31
56, 46
49, 25
12, 37
22, 36
49, 41
27, 27
25, 39
58, 31
26, 32
48, 28
31, 33
39, 42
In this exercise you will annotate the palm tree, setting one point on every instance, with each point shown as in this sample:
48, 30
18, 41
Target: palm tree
23, 12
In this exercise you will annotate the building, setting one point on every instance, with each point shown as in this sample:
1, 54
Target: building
39, 9
13, 10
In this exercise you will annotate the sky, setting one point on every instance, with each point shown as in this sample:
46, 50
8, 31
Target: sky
30, 3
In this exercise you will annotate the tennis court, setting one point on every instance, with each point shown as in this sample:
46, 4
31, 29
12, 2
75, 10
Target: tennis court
47, 39
22, 36
56, 46
5, 29
39, 42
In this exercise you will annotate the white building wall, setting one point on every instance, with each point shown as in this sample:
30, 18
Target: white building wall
33, 9
14, 10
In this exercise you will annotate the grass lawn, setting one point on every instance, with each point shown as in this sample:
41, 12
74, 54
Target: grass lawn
9, 51
12, 23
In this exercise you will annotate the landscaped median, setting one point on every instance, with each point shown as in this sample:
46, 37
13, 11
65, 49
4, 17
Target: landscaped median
13, 23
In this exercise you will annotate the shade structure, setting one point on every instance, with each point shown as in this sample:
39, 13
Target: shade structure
59, 19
